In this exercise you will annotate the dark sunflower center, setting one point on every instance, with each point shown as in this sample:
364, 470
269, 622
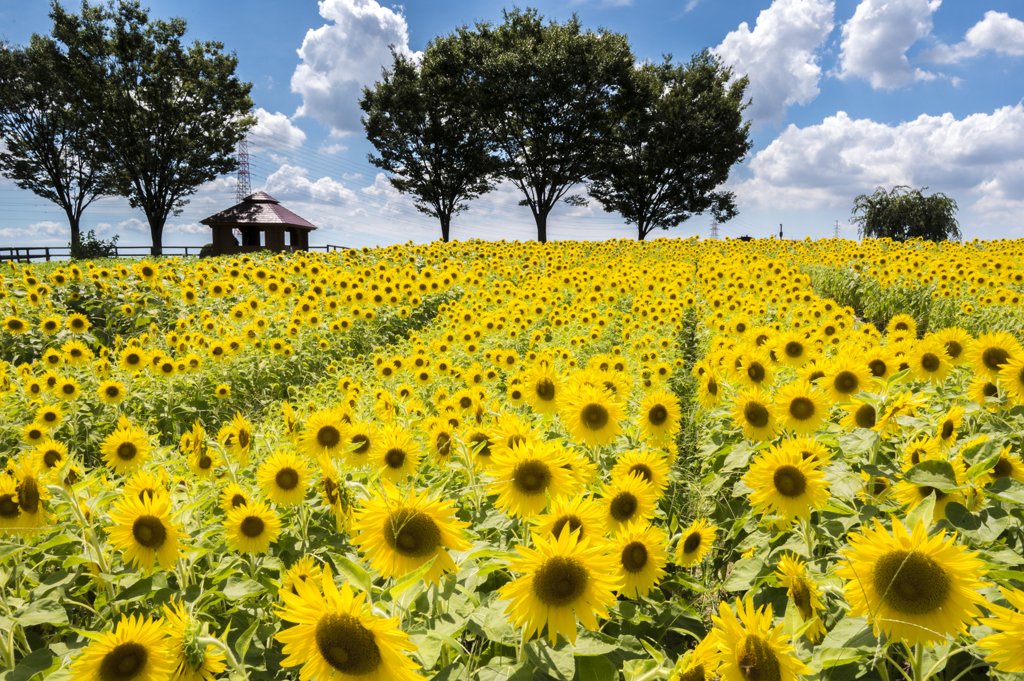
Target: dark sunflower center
794, 349
50, 416
149, 531
347, 645
634, 557
865, 416
801, 408
815, 375
994, 358
252, 526
514, 440
696, 673
657, 415
947, 429
126, 451
594, 416
205, 462
712, 386
414, 535
953, 349
51, 458
328, 436
624, 506
789, 481
1003, 468
846, 383
801, 595
930, 362
877, 368
287, 479
575, 524
444, 444
125, 662
926, 491
989, 390
756, 659
395, 458
560, 581
545, 389
113, 391
531, 477
910, 583
68, 388
756, 414
331, 491
9, 507
28, 495
755, 372
692, 542
363, 441
643, 469
476, 439
238, 500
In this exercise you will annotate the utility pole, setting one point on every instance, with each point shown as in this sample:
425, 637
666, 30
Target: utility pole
242, 189
835, 231
714, 229
780, 231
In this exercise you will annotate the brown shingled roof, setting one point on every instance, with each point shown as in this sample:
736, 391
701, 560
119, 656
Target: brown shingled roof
258, 208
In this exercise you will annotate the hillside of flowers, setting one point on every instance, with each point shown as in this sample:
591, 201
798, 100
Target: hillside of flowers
676, 459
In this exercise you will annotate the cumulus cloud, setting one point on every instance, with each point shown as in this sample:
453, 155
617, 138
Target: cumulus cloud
275, 131
997, 32
291, 182
980, 157
779, 55
44, 231
133, 225
340, 58
876, 40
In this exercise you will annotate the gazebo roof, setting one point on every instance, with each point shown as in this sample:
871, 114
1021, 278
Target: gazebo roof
258, 209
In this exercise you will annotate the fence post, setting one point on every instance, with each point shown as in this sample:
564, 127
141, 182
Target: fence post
47, 254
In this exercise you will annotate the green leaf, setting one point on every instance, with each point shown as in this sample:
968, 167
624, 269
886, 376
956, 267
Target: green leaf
858, 442
239, 587
744, 573
982, 527
595, 668
984, 457
242, 644
34, 663
921, 513
354, 571
1007, 489
498, 670
554, 661
43, 611
652, 651
934, 473
411, 579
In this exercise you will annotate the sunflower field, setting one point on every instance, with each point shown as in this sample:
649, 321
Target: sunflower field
634, 461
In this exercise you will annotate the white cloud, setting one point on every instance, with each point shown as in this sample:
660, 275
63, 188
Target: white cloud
291, 182
334, 149
979, 158
876, 40
779, 55
44, 231
340, 58
998, 32
133, 225
186, 228
275, 131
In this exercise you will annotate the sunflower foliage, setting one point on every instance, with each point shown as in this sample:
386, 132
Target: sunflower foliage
676, 460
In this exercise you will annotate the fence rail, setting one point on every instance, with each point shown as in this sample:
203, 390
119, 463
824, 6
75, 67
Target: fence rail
48, 253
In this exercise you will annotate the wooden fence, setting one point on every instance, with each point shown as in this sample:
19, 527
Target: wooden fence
47, 253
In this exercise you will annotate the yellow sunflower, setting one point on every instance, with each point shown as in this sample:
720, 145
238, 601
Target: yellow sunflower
562, 579
792, 349
808, 448
641, 557
337, 636
126, 448
144, 531
749, 648
785, 482
302, 570
440, 437
953, 419
34, 433
528, 474
234, 495
592, 415
191, 662
699, 664
581, 513
284, 477
361, 445
49, 416
910, 495
137, 650
800, 407
50, 455
650, 464
32, 493
709, 390
804, 592
957, 343
915, 588
324, 433
111, 392
478, 444
1006, 651
398, 455
145, 484
241, 444
659, 415
754, 412
399, 534
251, 528
844, 378
542, 390
1011, 379
695, 542
992, 351
626, 501
929, 362
10, 509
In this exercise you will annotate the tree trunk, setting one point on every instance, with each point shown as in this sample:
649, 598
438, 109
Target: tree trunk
641, 232
76, 233
156, 230
542, 226
446, 225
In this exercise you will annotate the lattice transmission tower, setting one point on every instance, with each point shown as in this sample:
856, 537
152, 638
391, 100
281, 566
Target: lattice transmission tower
242, 187
835, 230
714, 229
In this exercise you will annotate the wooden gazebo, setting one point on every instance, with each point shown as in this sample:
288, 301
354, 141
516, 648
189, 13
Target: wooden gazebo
264, 224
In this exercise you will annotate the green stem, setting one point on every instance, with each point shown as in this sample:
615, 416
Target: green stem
919, 673
209, 640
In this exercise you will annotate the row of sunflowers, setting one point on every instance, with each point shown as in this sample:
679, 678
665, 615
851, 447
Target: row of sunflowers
671, 460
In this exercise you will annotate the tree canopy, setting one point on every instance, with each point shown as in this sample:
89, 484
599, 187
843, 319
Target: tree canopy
678, 131
425, 131
905, 213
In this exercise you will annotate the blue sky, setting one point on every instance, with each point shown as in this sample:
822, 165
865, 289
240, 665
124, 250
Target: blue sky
847, 96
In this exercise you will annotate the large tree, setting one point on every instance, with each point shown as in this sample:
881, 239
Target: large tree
172, 114
678, 131
542, 94
421, 123
905, 213
50, 142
